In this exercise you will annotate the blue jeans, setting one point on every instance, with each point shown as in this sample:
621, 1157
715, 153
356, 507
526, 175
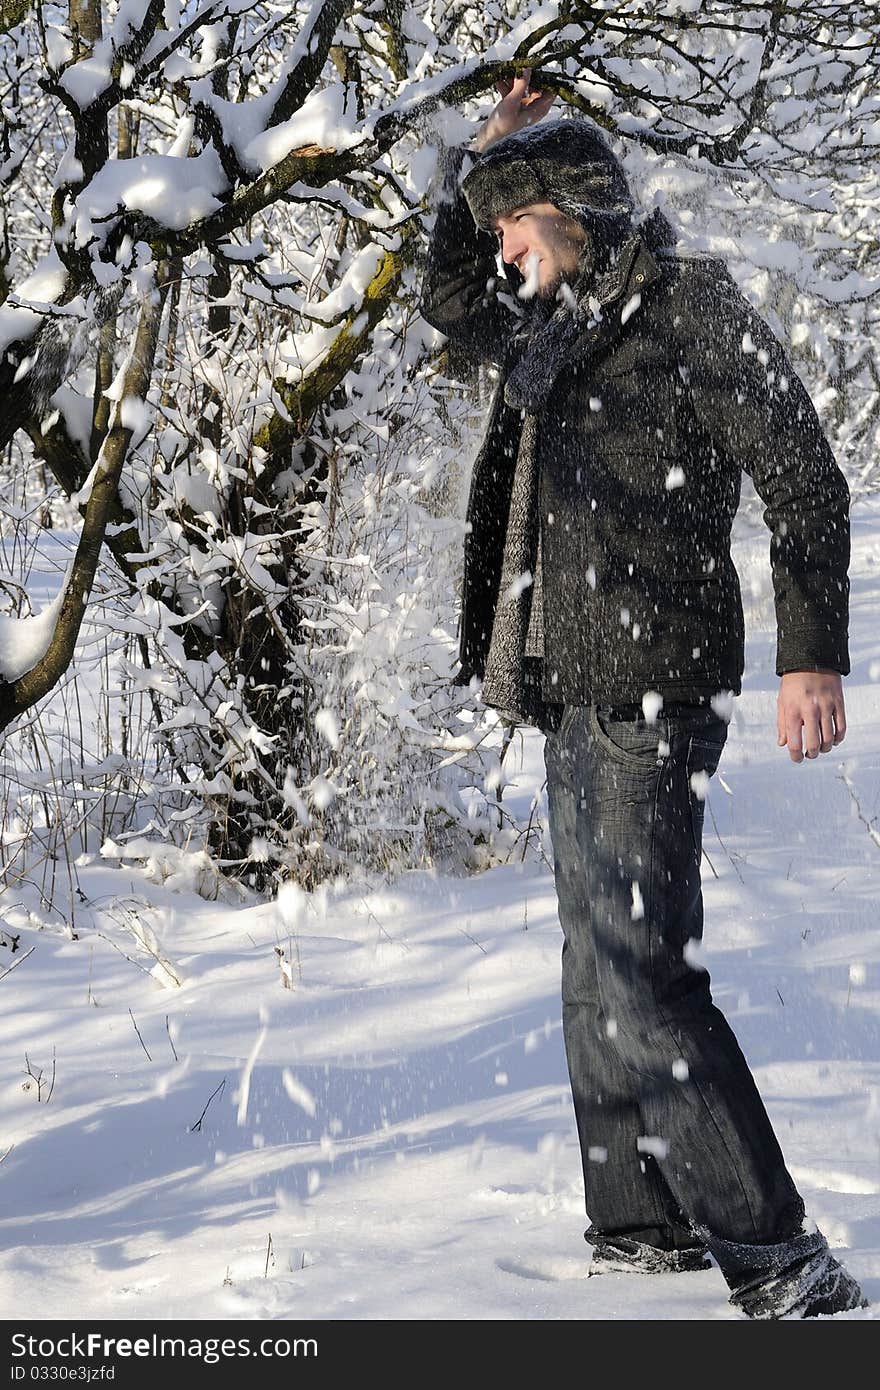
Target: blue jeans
677, 1148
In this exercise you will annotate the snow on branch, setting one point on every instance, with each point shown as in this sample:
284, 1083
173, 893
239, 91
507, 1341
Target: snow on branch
328, 366
307, 59
31, 685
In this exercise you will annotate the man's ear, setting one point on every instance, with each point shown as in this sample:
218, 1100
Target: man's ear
576, 228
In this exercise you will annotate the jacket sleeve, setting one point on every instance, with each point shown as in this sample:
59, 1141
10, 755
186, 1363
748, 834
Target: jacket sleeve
757, 412
459, 294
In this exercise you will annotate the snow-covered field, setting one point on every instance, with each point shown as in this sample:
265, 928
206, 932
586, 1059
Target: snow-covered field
392, 1136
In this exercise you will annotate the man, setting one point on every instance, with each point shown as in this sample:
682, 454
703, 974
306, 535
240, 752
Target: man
600, 602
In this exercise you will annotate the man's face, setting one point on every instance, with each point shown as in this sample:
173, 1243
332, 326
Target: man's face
543, 243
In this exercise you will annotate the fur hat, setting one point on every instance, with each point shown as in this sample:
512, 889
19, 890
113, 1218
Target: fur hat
566, 162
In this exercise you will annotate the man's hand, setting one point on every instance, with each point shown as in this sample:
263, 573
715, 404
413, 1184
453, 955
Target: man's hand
810, 716
518, 107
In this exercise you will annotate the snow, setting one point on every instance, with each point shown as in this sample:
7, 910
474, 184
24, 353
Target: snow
77, 413
700, 782
88, 78
652, 1144
190, 486
303, 351
349, 1047
321, 120
351, 289
630, 307
175, 192
298, 1093
42, 288
327, 725
516, 587
58, 47
25, 641
652, 703
675, 478
135, 415
531, 283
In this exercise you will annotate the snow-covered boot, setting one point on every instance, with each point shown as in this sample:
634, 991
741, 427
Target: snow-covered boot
816, 1287
620, 1254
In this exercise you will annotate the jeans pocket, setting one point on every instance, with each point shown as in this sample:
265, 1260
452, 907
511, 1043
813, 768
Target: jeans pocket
561, 724
569, 715
632, 743
704, 754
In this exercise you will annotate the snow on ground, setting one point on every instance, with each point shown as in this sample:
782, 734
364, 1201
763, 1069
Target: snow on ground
392, 1137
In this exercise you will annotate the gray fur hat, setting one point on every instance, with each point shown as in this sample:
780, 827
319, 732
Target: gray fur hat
566, 162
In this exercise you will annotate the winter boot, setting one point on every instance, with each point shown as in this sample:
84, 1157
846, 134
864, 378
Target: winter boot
620, 1254
816, 1287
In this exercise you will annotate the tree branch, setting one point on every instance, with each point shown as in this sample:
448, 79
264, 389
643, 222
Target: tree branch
301, 401
315, 39
70, 466
19, 695
55, 349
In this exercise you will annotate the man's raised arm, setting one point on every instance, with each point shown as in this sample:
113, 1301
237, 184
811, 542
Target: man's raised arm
459, 293
460, 290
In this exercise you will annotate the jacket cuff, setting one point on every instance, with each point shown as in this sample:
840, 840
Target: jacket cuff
818, 651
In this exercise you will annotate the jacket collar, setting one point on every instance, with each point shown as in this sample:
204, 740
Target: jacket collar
634, 268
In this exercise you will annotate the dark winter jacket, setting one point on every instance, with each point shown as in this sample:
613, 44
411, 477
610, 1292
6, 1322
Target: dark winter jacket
646, 420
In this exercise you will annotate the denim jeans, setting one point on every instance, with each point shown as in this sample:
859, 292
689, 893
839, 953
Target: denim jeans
676, 1146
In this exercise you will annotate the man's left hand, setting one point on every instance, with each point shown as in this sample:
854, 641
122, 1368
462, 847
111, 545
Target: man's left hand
810, 715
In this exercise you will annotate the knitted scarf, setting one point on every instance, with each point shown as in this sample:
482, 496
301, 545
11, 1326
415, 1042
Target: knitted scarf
513, 680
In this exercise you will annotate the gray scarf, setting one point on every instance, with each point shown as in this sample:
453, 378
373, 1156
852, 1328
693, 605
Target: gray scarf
514, 676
